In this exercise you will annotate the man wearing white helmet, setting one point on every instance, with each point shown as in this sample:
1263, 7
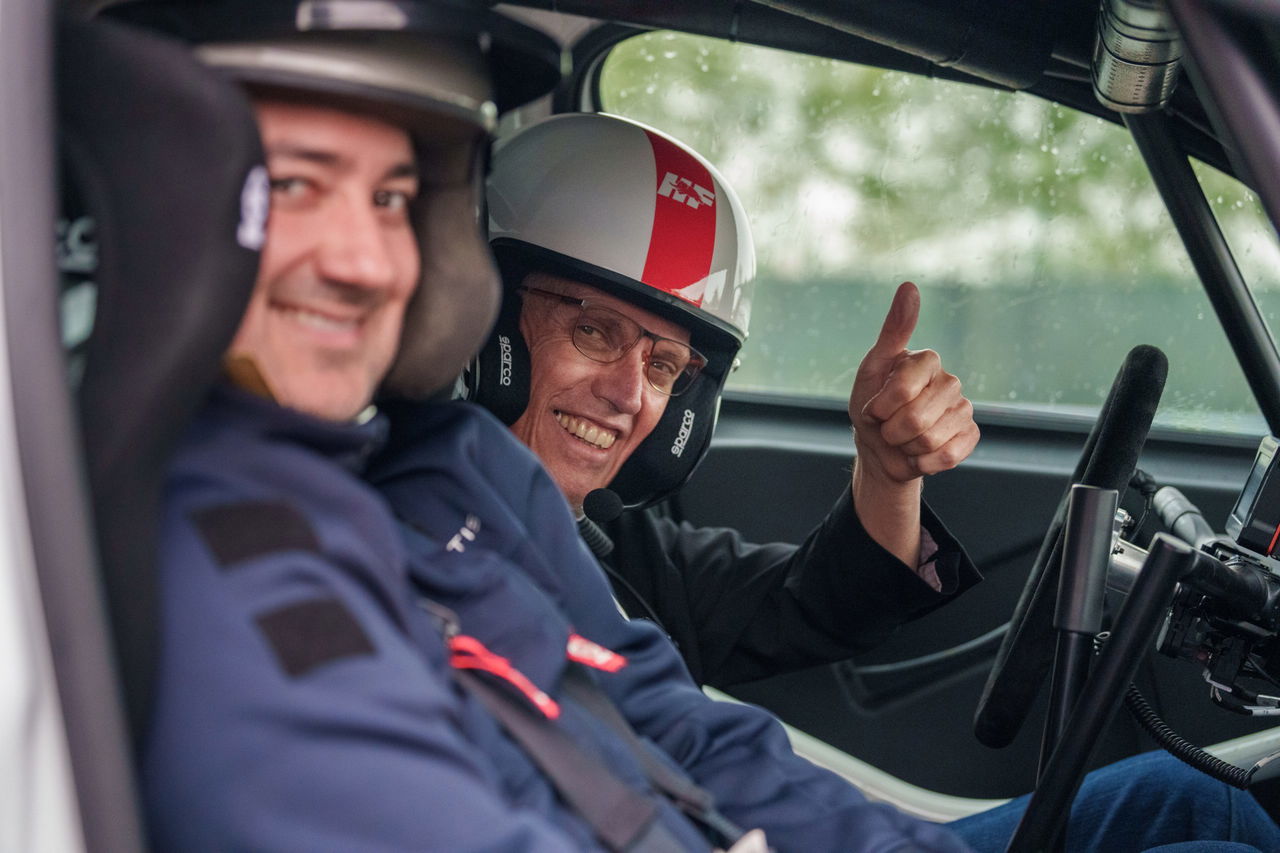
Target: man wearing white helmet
600, 223
329, 678
477, 509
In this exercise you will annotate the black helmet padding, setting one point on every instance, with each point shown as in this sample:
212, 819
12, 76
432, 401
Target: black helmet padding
456, 300
498, 377
157, 156
671, 453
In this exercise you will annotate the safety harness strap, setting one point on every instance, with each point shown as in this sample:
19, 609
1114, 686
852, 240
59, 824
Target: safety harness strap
697, 803
624, 820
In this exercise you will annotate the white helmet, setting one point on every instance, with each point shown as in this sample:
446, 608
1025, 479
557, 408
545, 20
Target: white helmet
434, 67
625, 208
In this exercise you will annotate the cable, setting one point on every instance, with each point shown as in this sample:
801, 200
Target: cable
1176, 745
602, 546
1147, 487
965, 647
934, 657
1183, 749
648, 610
595, 537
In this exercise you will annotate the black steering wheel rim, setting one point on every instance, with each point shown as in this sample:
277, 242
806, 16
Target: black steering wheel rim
1107, 461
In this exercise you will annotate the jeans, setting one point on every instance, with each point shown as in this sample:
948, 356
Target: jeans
1144, 803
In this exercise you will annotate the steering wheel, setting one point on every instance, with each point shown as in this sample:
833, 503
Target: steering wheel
1107, 461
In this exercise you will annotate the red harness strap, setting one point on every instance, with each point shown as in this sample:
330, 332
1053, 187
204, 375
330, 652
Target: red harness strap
470, 653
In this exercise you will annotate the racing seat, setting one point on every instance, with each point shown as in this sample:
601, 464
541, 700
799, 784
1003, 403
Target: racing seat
162, 214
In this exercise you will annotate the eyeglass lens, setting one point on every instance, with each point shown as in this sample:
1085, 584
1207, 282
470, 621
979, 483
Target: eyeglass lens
604, 335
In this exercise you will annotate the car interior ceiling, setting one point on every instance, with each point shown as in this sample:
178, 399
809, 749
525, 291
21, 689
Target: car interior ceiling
1043, 48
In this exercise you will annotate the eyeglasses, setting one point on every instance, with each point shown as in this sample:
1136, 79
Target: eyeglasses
604, 335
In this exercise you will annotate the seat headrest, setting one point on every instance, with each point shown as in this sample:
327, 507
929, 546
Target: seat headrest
164, 201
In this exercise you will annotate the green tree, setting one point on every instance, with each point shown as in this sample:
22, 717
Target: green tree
1043, 247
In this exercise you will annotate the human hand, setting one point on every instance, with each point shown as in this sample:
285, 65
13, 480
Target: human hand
909, 416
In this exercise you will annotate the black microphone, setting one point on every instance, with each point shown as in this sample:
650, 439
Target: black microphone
602, 505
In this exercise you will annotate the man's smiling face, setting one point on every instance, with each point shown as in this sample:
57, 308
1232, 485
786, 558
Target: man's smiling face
585, 418
340, 262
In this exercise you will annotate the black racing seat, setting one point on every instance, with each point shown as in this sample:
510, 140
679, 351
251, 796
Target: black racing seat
163, 210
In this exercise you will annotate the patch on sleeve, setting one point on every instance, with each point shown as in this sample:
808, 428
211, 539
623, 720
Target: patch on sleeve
594, 655
241, 531
312, 633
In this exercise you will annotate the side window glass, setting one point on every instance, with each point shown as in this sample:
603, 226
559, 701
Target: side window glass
1041, 247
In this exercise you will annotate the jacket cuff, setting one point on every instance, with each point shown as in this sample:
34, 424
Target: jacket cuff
944, 566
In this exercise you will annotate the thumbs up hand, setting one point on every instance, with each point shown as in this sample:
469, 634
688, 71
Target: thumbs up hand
909, 416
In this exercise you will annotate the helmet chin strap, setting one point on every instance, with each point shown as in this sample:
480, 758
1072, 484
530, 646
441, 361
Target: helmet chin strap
244, 372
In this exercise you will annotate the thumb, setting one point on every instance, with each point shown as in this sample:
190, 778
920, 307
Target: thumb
899, 323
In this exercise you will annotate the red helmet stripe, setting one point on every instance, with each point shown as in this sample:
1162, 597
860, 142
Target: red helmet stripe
684, 223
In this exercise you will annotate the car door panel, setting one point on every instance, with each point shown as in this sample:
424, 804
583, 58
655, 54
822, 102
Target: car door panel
773, 472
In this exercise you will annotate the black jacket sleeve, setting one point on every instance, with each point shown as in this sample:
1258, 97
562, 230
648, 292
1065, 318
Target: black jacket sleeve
740, 611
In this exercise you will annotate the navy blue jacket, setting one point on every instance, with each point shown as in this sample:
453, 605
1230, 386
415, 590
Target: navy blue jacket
452, 461
305, 699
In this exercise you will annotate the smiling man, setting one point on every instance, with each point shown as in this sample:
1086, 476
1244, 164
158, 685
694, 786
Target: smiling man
602, 372
303, 699
496, 559
629, 271
323, 323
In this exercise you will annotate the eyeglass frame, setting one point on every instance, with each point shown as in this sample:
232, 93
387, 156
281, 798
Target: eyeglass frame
582, 305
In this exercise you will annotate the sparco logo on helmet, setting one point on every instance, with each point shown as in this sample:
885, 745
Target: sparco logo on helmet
682, 189
682, 438
504, 358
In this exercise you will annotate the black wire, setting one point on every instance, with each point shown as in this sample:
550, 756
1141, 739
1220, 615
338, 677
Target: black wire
934, 657
1146, 511
1252, 667
649, 611
1261, 672
602, 546
1172, 742
1147, 487
1181, 748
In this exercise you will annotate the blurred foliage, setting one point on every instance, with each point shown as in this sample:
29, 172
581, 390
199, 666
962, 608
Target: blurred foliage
1042, 248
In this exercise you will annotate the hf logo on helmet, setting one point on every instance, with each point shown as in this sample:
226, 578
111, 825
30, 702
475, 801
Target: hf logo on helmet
677, 188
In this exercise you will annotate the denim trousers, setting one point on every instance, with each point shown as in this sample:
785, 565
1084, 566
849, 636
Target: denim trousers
1148, 802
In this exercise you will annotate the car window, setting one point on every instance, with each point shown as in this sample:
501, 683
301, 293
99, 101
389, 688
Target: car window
1041, 247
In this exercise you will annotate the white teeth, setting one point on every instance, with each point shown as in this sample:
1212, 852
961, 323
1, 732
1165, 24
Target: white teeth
589, 433
321, 321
